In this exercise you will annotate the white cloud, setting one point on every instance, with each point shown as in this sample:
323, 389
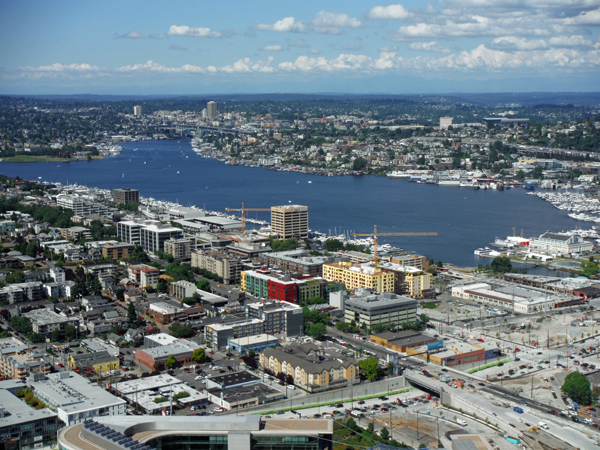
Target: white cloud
184, 30
585, 18
177, 47
344, 62
246, 65
131, 35
516, 43
314, 51
394, 12
285, 25
566, 41
158, 36
330, 23
272, 48
151, 66
299, 44
429, 47
57, 67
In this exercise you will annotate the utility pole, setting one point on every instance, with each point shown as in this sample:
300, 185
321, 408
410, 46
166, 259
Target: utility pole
531, 393
417, 424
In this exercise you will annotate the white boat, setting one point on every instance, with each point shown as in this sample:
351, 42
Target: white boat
310, 182
448, 182
178, 171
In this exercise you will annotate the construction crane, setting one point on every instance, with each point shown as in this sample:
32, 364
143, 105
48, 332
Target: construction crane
375, 235
243, 210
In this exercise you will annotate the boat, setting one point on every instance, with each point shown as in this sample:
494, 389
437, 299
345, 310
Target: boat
178, 171
310, 182
144, 162
448, 182
123, 176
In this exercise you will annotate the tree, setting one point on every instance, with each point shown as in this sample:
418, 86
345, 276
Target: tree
56, 335
577, 386
359, 163
370, 428
251, 353
171, 361
132, 316
120, 294
162, 285
384, 433
179, 330
70, 332
501, 264
370, 368
316, 330
21, 325
203, 285
199, 355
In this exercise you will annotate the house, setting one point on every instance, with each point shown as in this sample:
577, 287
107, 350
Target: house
114, 339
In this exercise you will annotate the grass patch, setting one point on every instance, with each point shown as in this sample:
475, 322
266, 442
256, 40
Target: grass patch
487, 366
429, 305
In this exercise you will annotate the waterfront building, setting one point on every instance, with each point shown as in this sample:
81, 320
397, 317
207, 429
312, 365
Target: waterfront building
18, 361
248, 432
211, 110
289, 221
125, 195
81, 207
226, 266
360, 276
75, 398
45, 321
368, 308
21, 426
310, 367
417, 261
559, 244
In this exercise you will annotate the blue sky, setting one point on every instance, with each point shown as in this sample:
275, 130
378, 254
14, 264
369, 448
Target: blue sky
197, 47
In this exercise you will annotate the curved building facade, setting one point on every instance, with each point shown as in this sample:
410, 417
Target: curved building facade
197, 433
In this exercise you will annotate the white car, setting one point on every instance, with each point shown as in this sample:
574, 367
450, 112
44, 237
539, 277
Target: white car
291, 386
199, 377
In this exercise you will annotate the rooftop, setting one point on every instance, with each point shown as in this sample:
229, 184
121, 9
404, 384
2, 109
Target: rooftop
19, 411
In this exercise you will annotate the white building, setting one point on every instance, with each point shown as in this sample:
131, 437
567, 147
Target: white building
559, 243
211, 110
75, 399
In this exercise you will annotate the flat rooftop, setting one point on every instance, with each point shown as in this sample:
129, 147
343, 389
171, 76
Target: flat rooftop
20, 412
253, 340
234, 378
147, 384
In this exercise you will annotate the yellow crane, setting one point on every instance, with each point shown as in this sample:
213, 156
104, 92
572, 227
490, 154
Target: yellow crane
243, 210
375, 235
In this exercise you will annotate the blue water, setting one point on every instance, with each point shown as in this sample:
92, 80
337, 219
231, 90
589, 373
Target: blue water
464, 219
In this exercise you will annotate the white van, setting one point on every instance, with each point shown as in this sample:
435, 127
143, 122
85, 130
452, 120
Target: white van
461, 422
543, 425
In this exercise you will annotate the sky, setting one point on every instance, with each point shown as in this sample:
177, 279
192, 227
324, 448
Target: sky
200, 47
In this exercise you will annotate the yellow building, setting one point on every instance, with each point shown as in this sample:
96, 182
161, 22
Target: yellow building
308, 370
97, 362
360, 276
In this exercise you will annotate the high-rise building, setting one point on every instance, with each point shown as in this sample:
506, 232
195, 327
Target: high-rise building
211, 108
126, 195
445, 122
290, 221
137, 110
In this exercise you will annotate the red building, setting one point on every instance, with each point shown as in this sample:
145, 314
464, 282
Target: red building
282, 290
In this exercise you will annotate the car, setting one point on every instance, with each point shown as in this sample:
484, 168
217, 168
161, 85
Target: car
517, 359
444, 370
361, 402
539, 353
61, 365
291, 386
575, 419
500, 365
553, 412
523, 402
481, 384
471, 386
339, 405
383, 397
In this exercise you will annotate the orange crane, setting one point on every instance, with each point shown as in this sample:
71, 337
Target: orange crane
243, 210
375, 235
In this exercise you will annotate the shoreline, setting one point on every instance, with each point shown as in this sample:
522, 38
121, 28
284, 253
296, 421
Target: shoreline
44, 159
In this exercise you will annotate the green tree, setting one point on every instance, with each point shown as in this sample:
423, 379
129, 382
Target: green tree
21, 325
333, 245
203, 285
359, 163
56, 335
370, 428
93, 285
171, 361
370, 368
179, 330
132, 315
70, 332
316, 330
199, 355
501, 264
384, 433
578, 388
16, 276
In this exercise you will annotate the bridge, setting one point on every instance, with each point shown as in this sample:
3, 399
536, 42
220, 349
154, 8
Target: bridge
423, 382
177, 128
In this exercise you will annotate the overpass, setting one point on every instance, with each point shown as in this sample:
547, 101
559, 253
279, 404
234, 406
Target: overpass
423, 382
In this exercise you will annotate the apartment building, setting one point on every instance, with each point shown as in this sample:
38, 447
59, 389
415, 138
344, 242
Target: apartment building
356, 276
310, 367
289, 221
409, 281
22, 292
278, 316
81, 207
116, 251
18, 361
226, 266
180, 248
297, 261
143, 275
182, 289
45, 321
